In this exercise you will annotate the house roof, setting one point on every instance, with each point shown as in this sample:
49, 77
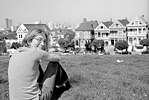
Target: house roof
137, 18
123, 21
108, 23
87, 26
41, 26
61, 31
142, 18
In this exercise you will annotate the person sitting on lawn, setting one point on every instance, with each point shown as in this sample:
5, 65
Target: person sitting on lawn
27, 80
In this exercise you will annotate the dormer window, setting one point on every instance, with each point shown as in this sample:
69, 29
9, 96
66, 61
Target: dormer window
136, 22
116, 25
101, 27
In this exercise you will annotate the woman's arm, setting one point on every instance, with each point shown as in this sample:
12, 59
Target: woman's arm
50, 57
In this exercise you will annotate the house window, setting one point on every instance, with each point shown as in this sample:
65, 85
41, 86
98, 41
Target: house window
136, 22
21, 35
120, 32
106, 34
139, 30
139, 39
99, 34
116, 25
112, 42
144, 29
101, 27
77, 42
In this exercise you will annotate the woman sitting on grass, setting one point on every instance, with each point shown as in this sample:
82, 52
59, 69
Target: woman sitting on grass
27, 81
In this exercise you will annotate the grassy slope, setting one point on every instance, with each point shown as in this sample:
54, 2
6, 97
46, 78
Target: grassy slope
95, 77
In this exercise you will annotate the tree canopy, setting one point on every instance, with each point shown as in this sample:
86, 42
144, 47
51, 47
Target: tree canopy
121, 45
15, 45
68, 40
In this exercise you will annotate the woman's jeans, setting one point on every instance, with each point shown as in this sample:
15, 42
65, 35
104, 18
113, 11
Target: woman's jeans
51, 80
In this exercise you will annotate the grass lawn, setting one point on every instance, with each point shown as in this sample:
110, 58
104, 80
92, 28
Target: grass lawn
99, 77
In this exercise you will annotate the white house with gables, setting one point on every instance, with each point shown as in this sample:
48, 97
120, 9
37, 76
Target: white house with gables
137, 30
118, 31
102, 32
21, 32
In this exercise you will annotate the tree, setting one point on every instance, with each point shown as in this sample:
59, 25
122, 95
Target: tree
3, 48
15, 45
144, 42
68, 40
98, 45
63, 43
69, 35
88, 46
121, 45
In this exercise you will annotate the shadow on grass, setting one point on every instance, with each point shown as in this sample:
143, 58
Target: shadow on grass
77, 79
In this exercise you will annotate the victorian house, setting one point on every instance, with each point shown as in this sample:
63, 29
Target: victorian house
118, 31
102, 32
85, 33
137, 30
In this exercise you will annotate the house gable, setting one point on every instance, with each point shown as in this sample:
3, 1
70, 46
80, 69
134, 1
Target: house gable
138, 21
22, 29
100, 27
116, 25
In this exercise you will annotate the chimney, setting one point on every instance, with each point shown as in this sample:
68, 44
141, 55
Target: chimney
110, 19
84, 20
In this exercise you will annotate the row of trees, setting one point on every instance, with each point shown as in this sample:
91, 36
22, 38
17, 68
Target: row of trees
68, 42
98, 45
121, 45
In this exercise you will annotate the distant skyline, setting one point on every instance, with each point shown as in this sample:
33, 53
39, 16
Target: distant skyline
71, 11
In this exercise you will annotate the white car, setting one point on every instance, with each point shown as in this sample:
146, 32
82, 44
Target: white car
11, 51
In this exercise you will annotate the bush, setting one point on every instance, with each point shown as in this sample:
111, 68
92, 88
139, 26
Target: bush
121, 45
144, 42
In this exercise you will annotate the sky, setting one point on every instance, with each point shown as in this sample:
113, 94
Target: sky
71, 11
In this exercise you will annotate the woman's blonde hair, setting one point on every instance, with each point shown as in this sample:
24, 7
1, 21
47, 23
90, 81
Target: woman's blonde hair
30, 36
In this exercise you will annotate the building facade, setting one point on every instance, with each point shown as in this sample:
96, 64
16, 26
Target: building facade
137, 30
102, 32
118, 31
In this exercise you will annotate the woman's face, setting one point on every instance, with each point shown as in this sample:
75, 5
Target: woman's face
38, 41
